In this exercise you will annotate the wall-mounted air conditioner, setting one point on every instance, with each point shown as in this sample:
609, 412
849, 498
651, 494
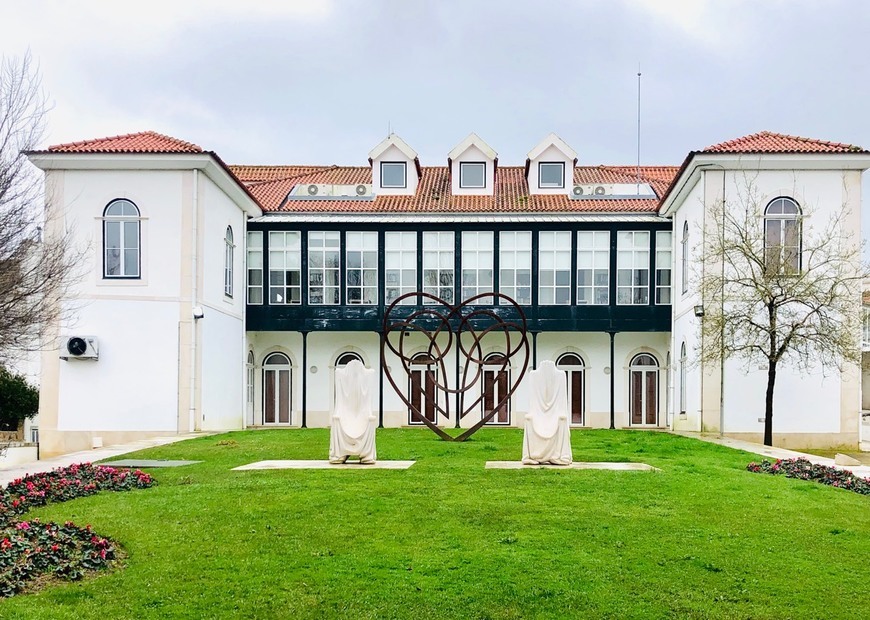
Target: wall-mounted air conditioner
80, 348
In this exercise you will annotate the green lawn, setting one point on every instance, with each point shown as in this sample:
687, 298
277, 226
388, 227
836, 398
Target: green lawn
449, 539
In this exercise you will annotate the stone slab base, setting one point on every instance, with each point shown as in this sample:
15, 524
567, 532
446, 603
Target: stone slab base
608, 466
324, 465
147, 463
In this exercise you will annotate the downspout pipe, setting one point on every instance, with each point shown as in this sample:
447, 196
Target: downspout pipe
193, 421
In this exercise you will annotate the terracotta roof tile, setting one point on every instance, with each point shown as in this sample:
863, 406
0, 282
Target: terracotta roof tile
271, 185
141, 142
769, 142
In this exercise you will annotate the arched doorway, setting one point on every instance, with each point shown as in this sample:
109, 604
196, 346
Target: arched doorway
422, 389
496, 382
644, 390
277, 389
574, 368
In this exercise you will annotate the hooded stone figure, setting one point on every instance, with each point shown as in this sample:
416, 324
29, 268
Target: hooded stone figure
547, 437
353, 425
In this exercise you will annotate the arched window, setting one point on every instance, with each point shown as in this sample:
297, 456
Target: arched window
684, 276
668, 374
422, 389
683, 379
644, 390
228, 262
574, 369
346, 358
121, 240
782, 236
277, 389
249, 367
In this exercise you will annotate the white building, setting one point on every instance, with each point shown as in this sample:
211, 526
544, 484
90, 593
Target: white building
224, 297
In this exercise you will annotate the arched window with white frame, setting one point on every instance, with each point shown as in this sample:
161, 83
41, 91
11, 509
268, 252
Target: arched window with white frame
228, 262
346, 358
683, 379
122, 248
782, 236
684, 275
249, 387
574, 369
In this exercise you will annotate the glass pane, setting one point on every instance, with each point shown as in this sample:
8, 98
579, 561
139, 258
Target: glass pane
551, 174
131, 235
471, 174
131, 262
393, 174
113, 234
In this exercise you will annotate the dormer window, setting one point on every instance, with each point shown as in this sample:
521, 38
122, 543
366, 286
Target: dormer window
551, 174
394, 165
394, 174
472, 174
550, 166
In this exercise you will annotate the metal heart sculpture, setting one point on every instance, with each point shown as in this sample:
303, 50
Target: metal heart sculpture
458, 329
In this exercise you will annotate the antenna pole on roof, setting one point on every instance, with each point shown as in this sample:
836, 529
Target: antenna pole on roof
389, 128
638, 128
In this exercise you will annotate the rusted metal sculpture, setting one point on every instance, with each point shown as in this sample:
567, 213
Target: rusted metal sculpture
449, 327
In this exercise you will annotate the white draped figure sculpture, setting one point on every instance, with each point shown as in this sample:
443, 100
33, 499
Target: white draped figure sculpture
353, 425
547, 437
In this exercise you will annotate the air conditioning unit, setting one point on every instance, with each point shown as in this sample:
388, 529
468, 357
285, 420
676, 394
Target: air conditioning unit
600, 190
578, 190
313, 190
80, 348
364, 189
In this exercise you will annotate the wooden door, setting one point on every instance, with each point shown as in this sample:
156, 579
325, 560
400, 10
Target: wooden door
495, 388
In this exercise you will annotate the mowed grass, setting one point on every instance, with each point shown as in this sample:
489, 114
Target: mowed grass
448, 539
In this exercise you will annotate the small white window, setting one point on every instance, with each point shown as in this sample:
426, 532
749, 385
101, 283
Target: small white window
228, 262
551, 174
255, 267
394, 174
472, 174
285, 267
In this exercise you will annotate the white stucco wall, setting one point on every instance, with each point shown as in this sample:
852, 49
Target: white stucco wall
324, 348
133, 385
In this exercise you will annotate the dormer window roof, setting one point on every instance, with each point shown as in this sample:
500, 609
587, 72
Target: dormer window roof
554, 141
472, 140
395, 141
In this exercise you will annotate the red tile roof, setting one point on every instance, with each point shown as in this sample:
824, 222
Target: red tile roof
272, 184
769, 142
141, 142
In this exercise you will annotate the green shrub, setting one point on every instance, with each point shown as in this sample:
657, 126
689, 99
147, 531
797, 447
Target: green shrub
18, 400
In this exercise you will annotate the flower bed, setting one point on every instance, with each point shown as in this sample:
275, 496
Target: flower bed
805, 470
32, 549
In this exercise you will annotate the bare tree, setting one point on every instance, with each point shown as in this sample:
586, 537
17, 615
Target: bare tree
779, 291
35, 273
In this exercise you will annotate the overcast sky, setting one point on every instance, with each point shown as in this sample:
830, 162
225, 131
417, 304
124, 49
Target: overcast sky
320, 81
